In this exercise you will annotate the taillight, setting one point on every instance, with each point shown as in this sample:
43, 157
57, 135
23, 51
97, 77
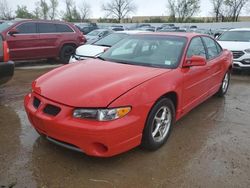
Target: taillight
82, 39
6, 52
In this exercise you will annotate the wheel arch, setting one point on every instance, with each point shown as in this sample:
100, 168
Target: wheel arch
173, 96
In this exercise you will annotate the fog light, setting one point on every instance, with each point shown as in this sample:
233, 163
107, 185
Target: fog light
247, 61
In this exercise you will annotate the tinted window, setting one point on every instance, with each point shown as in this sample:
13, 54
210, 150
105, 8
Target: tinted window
46, 28
212, 50
196, 47
61, 28
26, 28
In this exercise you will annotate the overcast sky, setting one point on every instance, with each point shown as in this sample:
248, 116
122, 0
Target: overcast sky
144, 7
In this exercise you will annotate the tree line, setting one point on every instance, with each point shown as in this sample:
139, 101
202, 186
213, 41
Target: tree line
118, 10
223, 10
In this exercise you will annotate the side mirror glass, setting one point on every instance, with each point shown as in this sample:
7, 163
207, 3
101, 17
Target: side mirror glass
195, 61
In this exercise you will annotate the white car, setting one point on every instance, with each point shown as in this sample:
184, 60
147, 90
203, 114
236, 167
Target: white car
97, 48
237, 41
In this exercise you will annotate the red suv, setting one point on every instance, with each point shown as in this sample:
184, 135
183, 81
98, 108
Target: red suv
32, 39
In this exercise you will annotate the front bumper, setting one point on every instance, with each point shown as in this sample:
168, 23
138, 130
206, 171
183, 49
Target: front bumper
240, 65
102, 139
6, 71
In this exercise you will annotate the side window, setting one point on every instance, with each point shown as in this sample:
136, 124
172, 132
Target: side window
196, 47
61, 28
26, 28
212, 49
46, 28
218, 47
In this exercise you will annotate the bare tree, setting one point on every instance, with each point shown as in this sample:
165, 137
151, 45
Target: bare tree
85, 10
171, 8
5, 10
183, 9
187, 8
36, 13
42, 9
53, 9
235, 8
71, 14
217, 8
119, 9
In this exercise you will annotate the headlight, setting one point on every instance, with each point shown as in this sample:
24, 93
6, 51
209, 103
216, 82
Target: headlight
101, 114
247, 50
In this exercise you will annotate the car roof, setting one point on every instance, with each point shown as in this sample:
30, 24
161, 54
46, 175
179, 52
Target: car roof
36, 20
240, 29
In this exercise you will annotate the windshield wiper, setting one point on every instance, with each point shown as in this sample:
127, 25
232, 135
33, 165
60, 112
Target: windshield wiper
101, 58
103, 45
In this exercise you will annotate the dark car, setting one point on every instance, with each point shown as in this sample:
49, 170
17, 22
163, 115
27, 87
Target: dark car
6, 66
86, 28
39, 39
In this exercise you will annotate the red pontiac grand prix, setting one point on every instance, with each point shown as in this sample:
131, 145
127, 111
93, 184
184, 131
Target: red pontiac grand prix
131, 95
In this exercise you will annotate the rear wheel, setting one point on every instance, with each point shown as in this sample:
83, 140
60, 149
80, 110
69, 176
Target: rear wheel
66, 52
159, 124
224, 85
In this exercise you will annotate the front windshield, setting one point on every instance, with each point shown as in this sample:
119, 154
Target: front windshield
111, 39
94, 33
240, 36
5, 25
147, 50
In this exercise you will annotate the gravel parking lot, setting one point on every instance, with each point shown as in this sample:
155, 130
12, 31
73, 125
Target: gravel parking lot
207, 148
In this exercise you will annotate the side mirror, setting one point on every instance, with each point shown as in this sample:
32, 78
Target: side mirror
195, 61
13, 31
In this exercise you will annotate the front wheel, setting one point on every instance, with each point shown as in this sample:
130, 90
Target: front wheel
159, 124
224, 85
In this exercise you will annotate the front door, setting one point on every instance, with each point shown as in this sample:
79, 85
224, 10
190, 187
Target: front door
25, 44
195, 80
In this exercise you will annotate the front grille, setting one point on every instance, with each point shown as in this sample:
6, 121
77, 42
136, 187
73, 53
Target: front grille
51, 110
237, 54
36, 102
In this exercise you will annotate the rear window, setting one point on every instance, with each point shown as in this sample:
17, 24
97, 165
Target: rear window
46, 28
61, 28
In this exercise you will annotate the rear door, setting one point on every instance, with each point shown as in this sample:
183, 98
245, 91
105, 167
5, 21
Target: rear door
48, 39
215, 64
25, 44
196, 78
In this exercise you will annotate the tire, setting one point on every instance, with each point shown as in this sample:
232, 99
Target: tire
158, 126
66, 52
224, 85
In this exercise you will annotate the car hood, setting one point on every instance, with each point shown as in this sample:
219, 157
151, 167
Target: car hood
234, 46
90, 50
92, 83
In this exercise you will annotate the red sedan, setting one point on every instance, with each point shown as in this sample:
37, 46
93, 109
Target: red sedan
131, 95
